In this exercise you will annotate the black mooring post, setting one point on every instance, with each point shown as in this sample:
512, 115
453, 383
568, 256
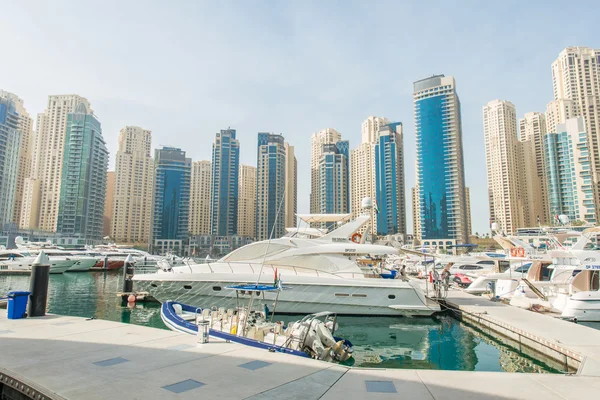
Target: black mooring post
38, 286
127, 275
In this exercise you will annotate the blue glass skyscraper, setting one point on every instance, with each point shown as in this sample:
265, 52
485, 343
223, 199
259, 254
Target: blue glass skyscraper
224, 195
440, 167
389, 180
568, 172
9, 158
171, 194
83, 182
333, 178
270, 186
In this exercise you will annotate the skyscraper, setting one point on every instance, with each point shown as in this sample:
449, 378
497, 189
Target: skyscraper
109, 201
224, 196
502, 164
333, 178
568, 172
83, 186
291, 186
576, 77
134, 183
270, 186
25, 128
389, 178
200, 198
247, 201
10, 137
468, 202
42, 190
532, 128
416, 213
370, 128
440, 167
171, 195
317, 140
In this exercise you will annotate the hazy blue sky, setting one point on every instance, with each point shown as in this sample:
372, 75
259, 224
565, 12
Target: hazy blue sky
185, 69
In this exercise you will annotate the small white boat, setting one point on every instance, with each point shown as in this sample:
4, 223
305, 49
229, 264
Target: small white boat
22, 260
311, 336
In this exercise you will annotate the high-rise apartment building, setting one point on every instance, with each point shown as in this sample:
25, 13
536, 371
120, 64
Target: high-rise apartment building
247, 201
270, 186
576, 77
468, 201
291, 186
83, 186
532, 128
134, 187
333, 178
317, 140
41, 195
568, 172
389, 180
502, 165
440, 167
25, 128
171, 195
200, 197
557, 112
416, 213
224, 195
370, 128
362, 180
10, 137
109, 201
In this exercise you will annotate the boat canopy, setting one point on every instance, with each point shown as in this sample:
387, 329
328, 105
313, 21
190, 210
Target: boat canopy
308, 218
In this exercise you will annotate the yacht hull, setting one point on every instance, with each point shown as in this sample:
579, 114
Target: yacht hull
60, 266
347, 297
583, 306
83, 265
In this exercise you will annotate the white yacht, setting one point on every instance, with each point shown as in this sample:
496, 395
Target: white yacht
321, 273
23, 259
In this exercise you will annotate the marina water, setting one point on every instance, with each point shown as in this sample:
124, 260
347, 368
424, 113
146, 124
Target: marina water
379, 342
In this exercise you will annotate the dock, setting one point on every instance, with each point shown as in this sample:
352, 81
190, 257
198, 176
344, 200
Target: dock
59, 357
574, 347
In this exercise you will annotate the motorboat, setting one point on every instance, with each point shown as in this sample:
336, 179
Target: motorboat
23, 259
323, 272
312, 336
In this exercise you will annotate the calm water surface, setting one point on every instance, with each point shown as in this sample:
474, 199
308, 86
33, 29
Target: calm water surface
379, 342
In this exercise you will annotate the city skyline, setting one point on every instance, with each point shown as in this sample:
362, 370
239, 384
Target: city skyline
514, 71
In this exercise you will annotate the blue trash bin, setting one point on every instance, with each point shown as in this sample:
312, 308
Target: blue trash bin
17, 304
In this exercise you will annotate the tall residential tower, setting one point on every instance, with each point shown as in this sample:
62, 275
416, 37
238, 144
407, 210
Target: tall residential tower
224, 195
440, 167
200, 198
317, 140
10, 137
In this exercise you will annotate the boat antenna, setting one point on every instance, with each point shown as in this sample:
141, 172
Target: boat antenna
262, 265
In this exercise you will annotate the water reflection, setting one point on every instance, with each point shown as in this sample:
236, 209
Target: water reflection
380, 342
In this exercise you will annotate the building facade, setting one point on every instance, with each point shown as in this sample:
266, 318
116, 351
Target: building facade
532, 128
291, 186
440, 166
362, 181
416, 214
42, 190
568, 171
333, 178
134, 187
83, 186
108, 203
502, 165
10, 138
576, 77
171, 196
317, 140
270, 186
247, 201
201, 180
370, 128
389, 178
224, 195
25, 128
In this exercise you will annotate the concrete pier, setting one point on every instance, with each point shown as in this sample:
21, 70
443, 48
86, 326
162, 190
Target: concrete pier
74, 358
565, 342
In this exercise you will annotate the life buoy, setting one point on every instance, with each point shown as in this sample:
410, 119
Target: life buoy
356, 237
521, 252
513, 251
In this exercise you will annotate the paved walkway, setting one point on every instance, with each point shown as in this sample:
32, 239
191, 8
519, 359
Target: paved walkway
579, 339
75, 358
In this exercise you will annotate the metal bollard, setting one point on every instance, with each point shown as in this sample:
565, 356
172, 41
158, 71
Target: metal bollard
127, 274
203, 331
38, 286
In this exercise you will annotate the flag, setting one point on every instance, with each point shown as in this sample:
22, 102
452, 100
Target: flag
376, 207
275, 280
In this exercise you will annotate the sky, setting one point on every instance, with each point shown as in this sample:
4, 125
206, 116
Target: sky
186, 69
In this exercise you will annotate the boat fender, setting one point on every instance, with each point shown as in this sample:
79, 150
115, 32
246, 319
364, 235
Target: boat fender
233, 330
131, 298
